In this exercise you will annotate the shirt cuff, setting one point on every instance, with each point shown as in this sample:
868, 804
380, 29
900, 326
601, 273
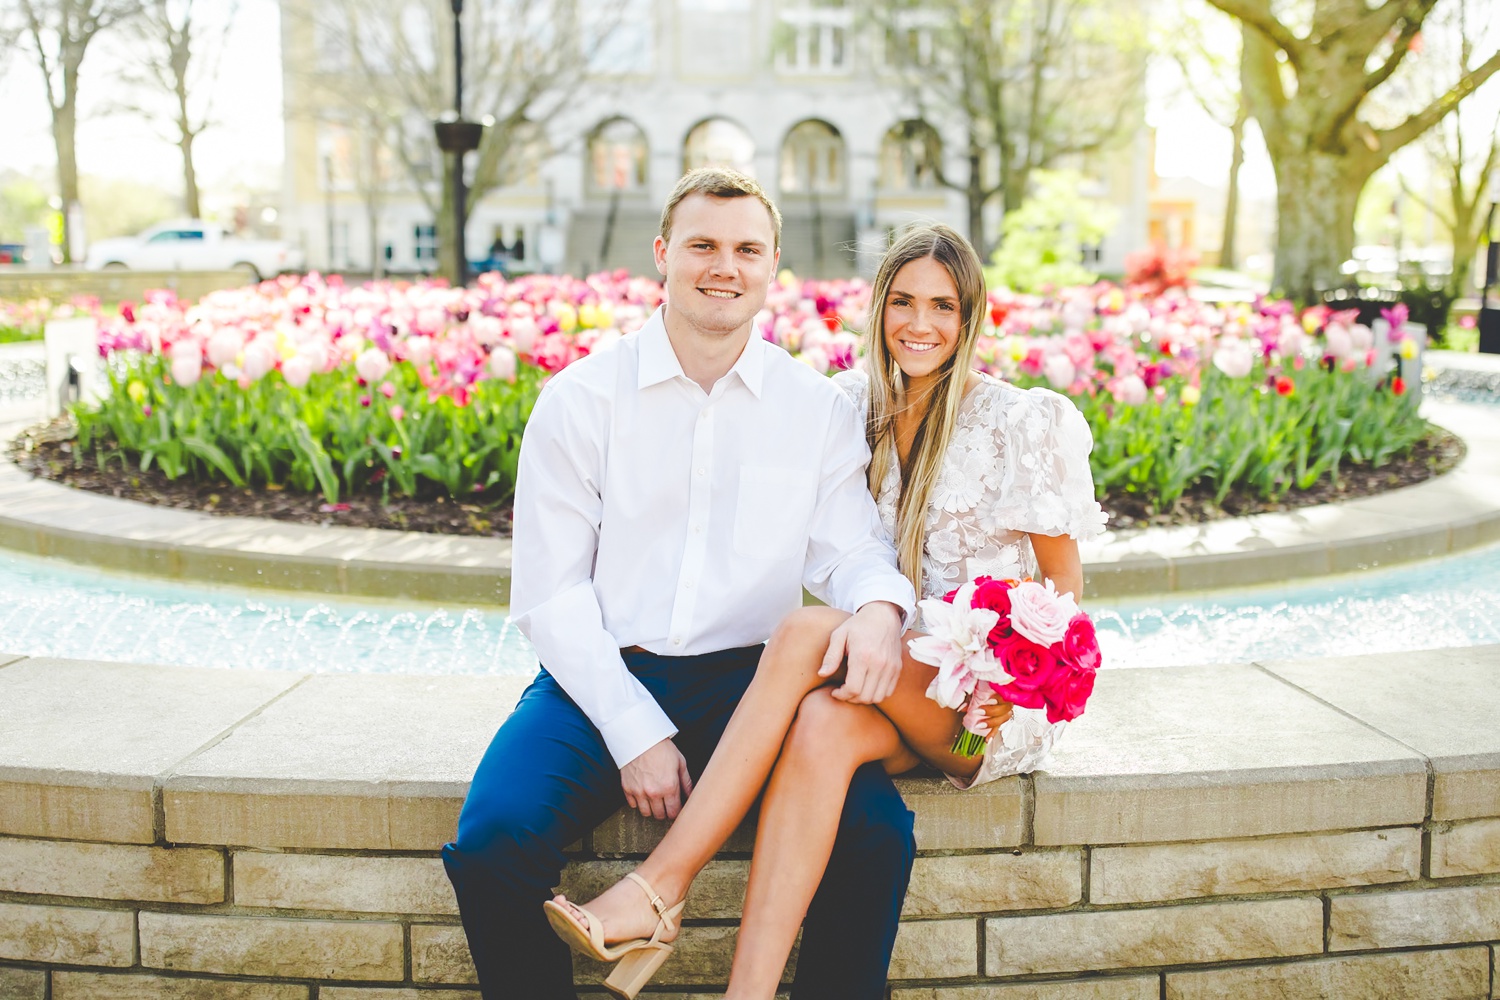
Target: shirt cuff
636, 730
880, 592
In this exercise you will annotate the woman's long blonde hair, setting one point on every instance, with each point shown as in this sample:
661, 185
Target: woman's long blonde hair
888, 385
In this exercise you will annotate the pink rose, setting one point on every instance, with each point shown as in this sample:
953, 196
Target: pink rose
1040, 613
1081, 643
1066, 692
1033, 668
994, 595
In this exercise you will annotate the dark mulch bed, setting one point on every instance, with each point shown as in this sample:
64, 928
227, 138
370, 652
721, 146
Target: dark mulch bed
48, 452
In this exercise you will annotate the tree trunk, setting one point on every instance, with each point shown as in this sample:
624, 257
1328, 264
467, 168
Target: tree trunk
976, 200
64, 128
1227, 257
1465, 241
189, 176
1316, 193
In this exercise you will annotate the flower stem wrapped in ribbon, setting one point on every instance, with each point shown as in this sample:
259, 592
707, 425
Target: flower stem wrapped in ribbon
1020, 641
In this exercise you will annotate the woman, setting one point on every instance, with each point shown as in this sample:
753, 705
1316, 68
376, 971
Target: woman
972, 477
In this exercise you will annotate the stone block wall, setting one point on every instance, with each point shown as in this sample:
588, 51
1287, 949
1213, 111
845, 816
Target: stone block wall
1280, 831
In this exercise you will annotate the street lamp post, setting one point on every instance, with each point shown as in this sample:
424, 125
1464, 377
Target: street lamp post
456, 136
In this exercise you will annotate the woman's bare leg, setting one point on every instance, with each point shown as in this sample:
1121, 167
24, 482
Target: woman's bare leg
799, 820
734, 776
799, 816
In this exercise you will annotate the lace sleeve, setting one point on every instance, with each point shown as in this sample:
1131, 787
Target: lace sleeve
1049, 489
856, 385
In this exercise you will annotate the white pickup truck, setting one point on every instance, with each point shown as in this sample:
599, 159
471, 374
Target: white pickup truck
193, 245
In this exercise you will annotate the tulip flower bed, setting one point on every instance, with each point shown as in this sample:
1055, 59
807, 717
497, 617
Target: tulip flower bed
421, 389
28, 320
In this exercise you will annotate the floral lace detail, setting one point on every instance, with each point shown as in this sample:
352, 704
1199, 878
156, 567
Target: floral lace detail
1017, 464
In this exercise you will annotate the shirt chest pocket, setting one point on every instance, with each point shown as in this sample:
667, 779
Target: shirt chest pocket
773, 510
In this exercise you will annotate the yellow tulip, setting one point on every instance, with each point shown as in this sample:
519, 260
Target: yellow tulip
1408, 348
1190, 395
136, 390
588, 316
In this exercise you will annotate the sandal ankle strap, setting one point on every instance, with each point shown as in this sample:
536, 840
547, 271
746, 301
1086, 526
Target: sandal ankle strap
657, 903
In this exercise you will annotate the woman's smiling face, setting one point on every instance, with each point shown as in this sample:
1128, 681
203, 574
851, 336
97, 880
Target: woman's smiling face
922, 319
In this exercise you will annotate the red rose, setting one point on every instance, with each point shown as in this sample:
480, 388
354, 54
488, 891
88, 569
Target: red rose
1033, 668
1067, 692
1080, 645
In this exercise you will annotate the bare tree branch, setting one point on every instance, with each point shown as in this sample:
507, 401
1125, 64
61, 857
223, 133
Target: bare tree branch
1393, 139
1257, 14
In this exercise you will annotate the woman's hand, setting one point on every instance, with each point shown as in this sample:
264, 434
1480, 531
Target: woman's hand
986, 712
996, 714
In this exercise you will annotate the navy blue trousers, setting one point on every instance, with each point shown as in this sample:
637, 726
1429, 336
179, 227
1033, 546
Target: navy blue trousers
547, 780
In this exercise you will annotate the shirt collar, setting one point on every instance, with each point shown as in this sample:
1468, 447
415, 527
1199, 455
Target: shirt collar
658, 362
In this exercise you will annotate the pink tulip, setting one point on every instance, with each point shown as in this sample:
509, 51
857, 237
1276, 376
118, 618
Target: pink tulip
1130, 390
387, 389
224, 346
503, 363
419, 350
372, 365
187, 362
398, 412
260, 359
296, 371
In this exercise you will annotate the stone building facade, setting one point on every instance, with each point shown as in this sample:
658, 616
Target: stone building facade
795, 91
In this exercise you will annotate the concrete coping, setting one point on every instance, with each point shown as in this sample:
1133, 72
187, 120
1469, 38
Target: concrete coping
1447, 514
181, 755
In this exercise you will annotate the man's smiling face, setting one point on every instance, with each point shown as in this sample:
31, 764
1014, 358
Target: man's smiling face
719, 262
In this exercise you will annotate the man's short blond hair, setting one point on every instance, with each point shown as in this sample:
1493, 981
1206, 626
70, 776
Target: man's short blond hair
718, 182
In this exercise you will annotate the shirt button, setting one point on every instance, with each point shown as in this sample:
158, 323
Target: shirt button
677, 641
688, 584
700, 472
697, 529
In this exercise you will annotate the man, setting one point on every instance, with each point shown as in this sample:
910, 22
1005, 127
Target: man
675, 494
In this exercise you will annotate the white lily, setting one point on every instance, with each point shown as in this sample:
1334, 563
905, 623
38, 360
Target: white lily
956, 644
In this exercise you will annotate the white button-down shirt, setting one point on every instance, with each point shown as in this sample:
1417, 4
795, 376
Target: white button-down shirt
650, 513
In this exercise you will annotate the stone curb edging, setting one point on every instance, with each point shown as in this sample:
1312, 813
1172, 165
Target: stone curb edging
1457, 511
1287, 829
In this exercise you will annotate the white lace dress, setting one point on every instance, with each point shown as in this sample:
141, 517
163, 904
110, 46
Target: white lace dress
1018, 464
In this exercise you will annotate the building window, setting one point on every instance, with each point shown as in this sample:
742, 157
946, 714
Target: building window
719, 142
814, 38
812, 160
618, 155
425, 243
909, 157
909, 39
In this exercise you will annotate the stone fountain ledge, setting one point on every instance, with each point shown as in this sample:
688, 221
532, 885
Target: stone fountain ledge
1320, 828
1454, 512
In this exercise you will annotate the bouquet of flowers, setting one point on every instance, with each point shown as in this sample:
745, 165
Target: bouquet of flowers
1021, 641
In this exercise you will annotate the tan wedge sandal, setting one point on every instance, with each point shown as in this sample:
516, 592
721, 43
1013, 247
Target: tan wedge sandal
636, 961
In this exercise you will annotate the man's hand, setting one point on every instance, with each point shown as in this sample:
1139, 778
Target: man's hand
871, 641
657, 783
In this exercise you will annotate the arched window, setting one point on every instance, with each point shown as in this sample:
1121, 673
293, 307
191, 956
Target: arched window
812, 160
909, 156
618, 154
718, 142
